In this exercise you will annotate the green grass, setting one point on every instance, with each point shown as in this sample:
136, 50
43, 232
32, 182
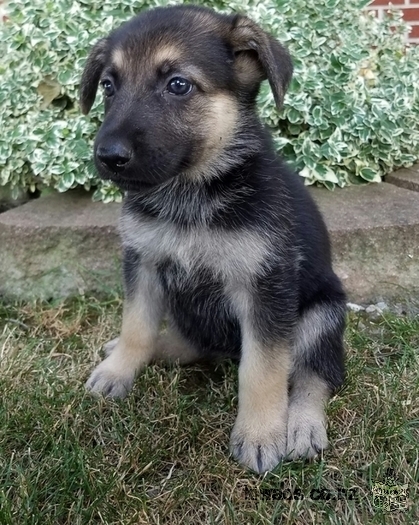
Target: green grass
161, 455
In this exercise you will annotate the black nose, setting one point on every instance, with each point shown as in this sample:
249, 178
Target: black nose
114, 157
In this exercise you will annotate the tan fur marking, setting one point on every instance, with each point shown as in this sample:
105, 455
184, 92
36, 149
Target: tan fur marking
221, 120
166, 53
313, 325
263, 387
170, 346
118, 58
306, 417
138, 335
259, 436
248, 70
136, 345
310, 391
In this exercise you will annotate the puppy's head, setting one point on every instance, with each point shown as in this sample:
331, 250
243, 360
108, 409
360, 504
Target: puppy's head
177, 82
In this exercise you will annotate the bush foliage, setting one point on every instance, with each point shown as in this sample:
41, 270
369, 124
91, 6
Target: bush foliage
351, 114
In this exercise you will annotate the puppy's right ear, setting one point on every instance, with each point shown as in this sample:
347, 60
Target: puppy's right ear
91, 74
260, 56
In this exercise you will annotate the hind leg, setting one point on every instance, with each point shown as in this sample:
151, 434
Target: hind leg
170, 347
173, 347
316, 372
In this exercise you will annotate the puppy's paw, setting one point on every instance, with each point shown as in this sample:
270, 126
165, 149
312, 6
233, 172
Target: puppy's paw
307, 436
109, 380
260, 449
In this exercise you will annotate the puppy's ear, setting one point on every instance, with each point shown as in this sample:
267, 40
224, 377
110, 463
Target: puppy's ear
259, 56
91, 74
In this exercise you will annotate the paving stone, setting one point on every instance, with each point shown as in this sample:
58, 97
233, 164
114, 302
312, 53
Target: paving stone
375, 238
407, 178
59, 245
64, 244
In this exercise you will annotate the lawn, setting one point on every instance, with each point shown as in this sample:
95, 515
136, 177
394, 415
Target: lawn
161, 455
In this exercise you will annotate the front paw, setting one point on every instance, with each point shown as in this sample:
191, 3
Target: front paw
260, 448
109, 380
307, 435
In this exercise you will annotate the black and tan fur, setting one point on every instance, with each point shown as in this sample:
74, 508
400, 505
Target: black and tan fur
220, 238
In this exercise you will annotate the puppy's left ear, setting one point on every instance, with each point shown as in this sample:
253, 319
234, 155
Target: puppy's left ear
251, 43
91, 74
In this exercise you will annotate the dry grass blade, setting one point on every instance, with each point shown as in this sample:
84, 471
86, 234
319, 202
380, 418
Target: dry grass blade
161, 456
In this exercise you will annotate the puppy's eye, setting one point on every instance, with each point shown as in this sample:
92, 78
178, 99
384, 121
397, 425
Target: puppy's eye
179, 86
108, 87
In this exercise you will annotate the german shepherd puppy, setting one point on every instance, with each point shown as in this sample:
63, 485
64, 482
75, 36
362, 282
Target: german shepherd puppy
220, 237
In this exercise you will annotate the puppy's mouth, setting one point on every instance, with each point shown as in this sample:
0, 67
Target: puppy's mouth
127, 183
128, 180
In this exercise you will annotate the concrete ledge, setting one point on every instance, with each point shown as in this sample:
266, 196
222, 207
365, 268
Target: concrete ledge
64, 244
407, 178
59, 245
375, 237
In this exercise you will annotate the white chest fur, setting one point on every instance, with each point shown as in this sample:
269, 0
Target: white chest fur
232, 255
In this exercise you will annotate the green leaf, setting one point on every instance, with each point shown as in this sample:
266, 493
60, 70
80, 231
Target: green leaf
369, 174
67, 180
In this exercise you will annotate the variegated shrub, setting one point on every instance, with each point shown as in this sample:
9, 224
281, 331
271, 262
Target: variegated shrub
351, 114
